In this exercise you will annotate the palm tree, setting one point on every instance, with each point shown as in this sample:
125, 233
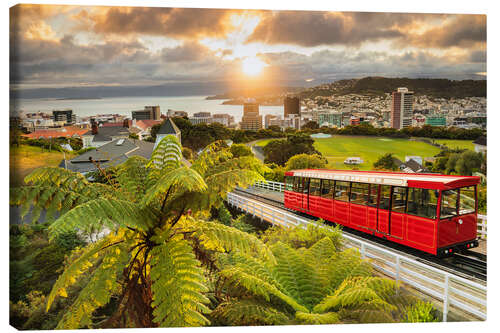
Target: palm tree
150, 262
318, 285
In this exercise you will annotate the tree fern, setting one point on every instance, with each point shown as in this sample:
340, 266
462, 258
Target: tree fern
167, 154
97, 293
220, 237
174, 183
177, 286
249, 312
132, 177
112, 213
317, 318
80, 265
296, 276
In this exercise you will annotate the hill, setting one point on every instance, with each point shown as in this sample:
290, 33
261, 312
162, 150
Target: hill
437, 88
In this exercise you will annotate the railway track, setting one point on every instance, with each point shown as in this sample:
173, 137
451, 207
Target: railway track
470, 265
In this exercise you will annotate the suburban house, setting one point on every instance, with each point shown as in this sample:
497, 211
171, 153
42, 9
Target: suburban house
98, 136
480, 144
410, 166
64, 132
109, 154
168, 128
143, 127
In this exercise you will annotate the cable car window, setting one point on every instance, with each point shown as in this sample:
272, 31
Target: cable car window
372, 195
327, 188
449, 203
467, 200
385, 197
399, 199
305, 185
342, 191
422, 202
289, 183
314, 187
359, 193
298, 184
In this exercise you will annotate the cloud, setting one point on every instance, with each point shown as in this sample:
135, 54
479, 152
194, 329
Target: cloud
310, 29
190, 23
329, 28
460, 31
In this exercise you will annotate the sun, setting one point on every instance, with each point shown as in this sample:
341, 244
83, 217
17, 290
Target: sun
252, 66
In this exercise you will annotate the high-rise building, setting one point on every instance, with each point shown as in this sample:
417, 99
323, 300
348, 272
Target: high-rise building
149, 113
292, 105
251, 119
64, 115
201, 118
402, 108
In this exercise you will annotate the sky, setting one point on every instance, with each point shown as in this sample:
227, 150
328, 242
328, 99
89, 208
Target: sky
53, 46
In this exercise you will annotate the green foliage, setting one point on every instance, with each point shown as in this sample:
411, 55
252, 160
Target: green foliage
187, 153
150, 263
280, 151
177, 286
298, 237
465, 163
306, 161
133, 136
386, 162
421, 312
239, 150
248, 312
315, 285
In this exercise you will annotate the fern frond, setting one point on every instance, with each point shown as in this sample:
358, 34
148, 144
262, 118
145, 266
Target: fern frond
257, 267
211, 155
80, 265
175, 182
46, 197
221, 183
317, 318
239, 278
246, 312
97, 293
167, 155
60, 177
216, 236
177, 285
358, 291
297, 277
106, 212
244, 162
347, 264
132, 177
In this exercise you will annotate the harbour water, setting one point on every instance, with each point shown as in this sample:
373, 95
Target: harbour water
124, 105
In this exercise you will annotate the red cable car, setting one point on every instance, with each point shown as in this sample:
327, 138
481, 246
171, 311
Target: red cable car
429, 212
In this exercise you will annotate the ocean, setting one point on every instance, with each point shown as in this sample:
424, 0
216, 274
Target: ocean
124, 105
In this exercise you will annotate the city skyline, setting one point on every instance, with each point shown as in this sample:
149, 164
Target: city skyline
55, 46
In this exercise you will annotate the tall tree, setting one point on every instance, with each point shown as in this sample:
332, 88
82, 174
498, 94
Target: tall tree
151, 261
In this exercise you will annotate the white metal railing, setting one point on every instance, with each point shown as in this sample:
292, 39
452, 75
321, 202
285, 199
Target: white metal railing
280, 187
452, 291
270, 185
482, 230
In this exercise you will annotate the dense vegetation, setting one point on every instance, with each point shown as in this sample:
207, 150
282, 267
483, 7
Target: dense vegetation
280, 151
163, 260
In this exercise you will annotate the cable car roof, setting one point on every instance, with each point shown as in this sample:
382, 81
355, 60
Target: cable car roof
420, 180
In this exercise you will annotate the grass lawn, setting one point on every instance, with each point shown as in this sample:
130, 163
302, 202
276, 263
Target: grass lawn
24, 159
337, 148
264, 142
453, 144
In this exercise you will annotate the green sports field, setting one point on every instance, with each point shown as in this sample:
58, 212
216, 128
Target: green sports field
337, 148
453, 144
